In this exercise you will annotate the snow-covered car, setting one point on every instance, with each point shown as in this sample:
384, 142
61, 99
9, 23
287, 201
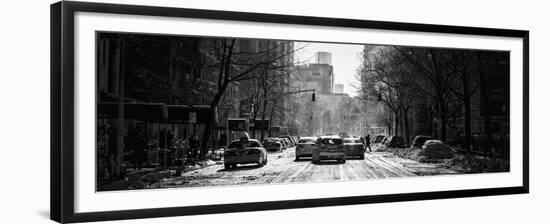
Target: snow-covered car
295, 138
396, 142
419, 140
305, 147
286, 143
354, 147
379, 138
290, 140
244, 151
436, 149
329, 148
273, 144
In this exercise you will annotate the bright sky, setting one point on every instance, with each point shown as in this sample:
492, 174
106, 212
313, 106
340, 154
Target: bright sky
345, 60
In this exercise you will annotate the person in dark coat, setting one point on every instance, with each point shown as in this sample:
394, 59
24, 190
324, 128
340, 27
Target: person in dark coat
367, 142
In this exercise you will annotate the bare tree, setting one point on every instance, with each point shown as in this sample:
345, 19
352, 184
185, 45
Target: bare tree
461, 63
234, 65
388, 78
434, 78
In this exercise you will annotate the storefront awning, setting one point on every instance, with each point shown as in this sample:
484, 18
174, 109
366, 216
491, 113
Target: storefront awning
156, 112
139, 111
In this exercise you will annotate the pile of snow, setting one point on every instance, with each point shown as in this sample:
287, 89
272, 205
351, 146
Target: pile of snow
379, 147
436, 149
476, 164
432, 150
207, 162
147, 178
408, 153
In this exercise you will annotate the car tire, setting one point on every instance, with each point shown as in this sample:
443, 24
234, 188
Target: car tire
297, 158
343, 160
362, 157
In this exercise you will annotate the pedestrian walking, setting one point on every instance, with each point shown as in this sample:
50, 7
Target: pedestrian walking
367, 142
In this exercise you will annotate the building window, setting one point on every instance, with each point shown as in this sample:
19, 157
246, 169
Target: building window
316, 74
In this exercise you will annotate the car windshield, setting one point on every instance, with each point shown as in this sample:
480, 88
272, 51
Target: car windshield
331, 141
243, 144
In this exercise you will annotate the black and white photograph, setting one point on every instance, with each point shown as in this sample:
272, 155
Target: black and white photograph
215, 111
184, 111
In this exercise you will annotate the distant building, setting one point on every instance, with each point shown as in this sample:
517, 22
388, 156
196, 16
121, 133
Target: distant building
333, 110
323, 58
318, 75
338, 88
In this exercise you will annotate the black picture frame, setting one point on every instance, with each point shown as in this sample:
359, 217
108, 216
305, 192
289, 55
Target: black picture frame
63, 114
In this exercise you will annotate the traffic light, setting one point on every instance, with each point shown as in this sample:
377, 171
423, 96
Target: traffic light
313, 97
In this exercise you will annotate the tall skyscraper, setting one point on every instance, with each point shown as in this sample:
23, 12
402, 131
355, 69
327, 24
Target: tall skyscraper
322, 57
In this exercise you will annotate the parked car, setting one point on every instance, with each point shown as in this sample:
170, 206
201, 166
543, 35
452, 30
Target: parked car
396, 142
290, 140
244, 151
295, 138
286, 143
354, 147
379, 138
273, 144
419, 140
385, 139
329, 148
436, 149
305, 147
